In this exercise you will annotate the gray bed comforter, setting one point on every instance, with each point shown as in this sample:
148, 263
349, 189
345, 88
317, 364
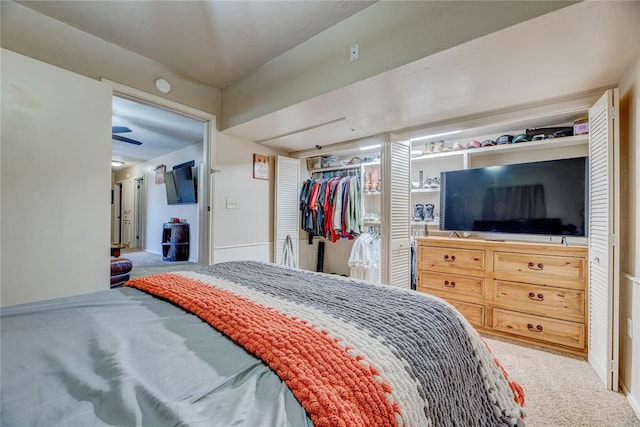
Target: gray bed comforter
139, 357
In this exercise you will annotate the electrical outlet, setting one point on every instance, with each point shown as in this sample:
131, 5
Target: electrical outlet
233, 203
353, 52
630, 327
312, 256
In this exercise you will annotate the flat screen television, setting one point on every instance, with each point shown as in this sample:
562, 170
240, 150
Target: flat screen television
548, 197
181, 186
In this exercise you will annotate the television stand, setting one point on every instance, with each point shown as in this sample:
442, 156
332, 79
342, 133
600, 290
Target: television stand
526, 291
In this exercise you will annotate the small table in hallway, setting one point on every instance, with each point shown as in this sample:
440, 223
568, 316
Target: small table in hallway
115, 250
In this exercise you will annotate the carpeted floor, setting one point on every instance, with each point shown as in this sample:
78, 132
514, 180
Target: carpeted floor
145, 263
562, 391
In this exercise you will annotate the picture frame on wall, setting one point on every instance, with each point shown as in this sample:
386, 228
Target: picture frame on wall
260, 166
160, 170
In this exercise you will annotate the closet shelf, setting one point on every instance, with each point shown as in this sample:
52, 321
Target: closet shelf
373, 163
568, 141
425, 190
416, 223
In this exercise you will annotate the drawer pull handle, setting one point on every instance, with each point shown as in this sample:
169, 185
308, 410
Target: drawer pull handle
533, 266
449, 284
449, 258
537, 328
534, 297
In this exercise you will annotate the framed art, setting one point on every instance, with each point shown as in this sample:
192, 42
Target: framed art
260, 166
160, 170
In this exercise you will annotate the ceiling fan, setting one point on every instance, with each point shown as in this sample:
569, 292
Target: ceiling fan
123, 129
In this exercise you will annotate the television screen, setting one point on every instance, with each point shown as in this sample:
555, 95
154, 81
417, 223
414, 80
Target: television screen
546, 197
186, 184
181, 186
172, 190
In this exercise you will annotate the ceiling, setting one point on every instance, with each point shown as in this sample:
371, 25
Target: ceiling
161, 131
240, 35
578, 48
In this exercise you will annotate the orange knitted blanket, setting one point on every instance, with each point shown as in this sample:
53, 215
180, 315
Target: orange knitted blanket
335, 387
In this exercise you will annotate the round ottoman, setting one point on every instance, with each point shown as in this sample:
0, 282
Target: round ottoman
120, 269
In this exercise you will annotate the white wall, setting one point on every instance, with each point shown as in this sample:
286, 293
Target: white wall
390, 34
630, 236
247, 231
55, 178
157, 210
38, 36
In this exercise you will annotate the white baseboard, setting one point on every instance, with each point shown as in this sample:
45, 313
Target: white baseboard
633, 396
249, 252
635, 405
632, 279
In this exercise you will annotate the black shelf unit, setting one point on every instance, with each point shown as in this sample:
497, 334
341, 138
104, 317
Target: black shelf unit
175, 241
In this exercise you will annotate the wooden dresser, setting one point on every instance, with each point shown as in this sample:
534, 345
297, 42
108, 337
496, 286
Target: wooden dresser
529, 292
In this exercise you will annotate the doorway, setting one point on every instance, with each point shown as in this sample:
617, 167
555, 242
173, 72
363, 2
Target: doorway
148, 202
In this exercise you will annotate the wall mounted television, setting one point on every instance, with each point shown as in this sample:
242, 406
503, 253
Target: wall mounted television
548, 197
181, 185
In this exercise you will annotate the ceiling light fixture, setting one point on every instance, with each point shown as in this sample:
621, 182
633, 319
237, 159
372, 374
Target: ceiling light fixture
435, 135
116, 163
163, 85
369, 147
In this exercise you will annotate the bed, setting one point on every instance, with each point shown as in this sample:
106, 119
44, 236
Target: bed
249, 344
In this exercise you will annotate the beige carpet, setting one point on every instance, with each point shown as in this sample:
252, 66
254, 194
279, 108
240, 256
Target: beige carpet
145, 263
562, 391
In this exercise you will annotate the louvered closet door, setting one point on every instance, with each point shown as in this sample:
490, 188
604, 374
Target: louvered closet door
286, 215
603, 229
397, 208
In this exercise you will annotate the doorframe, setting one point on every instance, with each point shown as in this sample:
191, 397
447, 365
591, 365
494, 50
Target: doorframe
140, 214
116, 212
205, 210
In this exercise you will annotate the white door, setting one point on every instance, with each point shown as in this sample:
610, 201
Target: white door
55, 172
396, 211
286, 213
127, 212
604, 229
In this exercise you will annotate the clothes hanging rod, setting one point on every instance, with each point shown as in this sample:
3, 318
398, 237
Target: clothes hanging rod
336, 168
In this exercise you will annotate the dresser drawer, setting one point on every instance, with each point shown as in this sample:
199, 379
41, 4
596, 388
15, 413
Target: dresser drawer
474, 313
447, 259
447, 285
563, 303
541, 269
554, 331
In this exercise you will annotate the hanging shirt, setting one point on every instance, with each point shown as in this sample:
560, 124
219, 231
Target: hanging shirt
364, 260
338, 205
353, 221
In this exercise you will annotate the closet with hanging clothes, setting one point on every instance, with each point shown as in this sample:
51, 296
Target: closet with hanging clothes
331, 204
355, 196
335, 204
